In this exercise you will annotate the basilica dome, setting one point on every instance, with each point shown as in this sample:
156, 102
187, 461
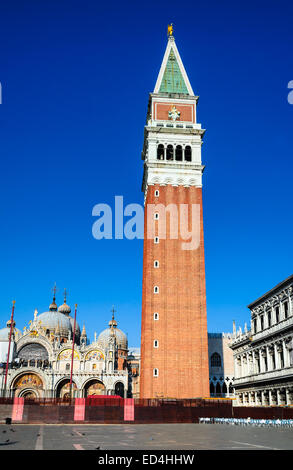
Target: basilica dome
121, 338
64, 308
4, 332
55, 320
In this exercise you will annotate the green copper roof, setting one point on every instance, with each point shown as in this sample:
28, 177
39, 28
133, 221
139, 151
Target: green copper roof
173, 81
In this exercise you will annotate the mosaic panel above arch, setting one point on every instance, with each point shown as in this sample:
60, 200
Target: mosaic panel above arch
66, 355
95, 355
28, 380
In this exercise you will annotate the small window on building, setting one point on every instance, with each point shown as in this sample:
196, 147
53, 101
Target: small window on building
273, 361
157, 193
277, 314
156, 316
156, 290
216, 360
261, 322
282, 359
156, 264
156, 215
269, 318
156, 372
156, 240
156, 343
285, 306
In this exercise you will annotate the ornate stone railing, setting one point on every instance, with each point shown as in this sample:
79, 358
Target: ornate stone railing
277, 328
261, 376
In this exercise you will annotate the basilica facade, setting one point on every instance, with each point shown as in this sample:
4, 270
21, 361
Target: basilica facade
41, 358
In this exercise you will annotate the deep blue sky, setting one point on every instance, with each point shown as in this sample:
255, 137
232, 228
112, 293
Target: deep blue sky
76, 77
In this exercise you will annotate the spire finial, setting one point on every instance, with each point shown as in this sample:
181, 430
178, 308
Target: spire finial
53, 305
113, 322
54, 290
113, 311
170, 30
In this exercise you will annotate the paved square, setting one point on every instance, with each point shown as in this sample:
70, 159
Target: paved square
144, 436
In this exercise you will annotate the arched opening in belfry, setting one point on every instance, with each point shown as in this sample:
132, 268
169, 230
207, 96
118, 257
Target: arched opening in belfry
187, 153
170, 152
160, 152
179, 153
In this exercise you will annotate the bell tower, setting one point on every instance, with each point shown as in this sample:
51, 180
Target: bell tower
174, 343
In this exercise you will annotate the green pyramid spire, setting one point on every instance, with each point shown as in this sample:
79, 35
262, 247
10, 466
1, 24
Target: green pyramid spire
173, 81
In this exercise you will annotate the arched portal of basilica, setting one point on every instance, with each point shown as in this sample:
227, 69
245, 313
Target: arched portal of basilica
94, 388
63, 389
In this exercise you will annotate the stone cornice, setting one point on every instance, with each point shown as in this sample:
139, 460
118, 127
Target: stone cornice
274, 291
174, 130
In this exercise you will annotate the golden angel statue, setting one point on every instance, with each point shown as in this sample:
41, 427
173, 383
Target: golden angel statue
170, 29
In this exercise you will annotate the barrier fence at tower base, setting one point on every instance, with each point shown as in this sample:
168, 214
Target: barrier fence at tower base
280, 423
116, 410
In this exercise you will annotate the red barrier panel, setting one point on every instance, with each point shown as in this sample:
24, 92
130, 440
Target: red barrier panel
17, 410
79, 409
128, 409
